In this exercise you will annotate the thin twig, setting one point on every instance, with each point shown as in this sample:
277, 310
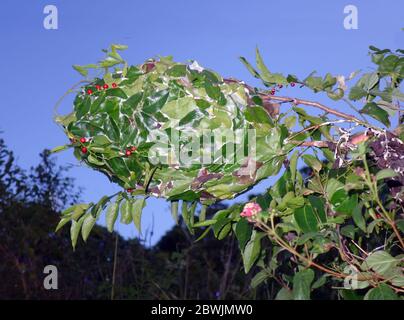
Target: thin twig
114, 267
55, 108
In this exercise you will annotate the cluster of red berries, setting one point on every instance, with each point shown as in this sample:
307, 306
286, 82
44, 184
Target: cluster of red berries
130, 150
104, 86
280, 86
83, 149
83, 140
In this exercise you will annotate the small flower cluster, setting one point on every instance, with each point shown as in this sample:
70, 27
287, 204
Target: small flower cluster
251, 210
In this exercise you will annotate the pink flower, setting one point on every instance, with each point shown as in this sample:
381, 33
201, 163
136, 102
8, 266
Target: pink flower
251, 209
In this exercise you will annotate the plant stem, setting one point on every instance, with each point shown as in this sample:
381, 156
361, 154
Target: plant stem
373, 188
114, 267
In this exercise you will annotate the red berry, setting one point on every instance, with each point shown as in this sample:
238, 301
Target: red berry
129, 190
89, 91
292, 84
280, 86
98, 87
128, 153
84, 149
83, 140
378, 215
114, 85
272, 92
105, 86
133, 149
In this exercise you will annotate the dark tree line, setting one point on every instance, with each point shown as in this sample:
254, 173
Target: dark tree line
177, 267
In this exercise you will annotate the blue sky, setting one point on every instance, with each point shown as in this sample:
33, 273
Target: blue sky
293, 36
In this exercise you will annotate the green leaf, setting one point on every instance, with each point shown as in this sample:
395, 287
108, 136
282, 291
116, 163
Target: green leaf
290, 122
100, 141
259, 278
178, 70
96, 210
358, 217
306, 219
116, 92
370, 81
214, 92
174, 210
348, 205
126, 212
293, 165
373, 110
400, 224
257, 115
178, 108
119, 47
252, 250
350, 295
250, 67
312, 162
112, 213
205, 223
336, 94
398, 279
204, 234
381, 262
110, 62
348, 231
60, 148
185, 212
315, 83
284, 294
333, 185
71, 209
137, 210
265, 73
88, 224
119, 167
293, 202
67, 119
80, 69
76, 211
75, 230
62, 222
202, 213
318, 205
338, 197
385, 173
93, 160
382, 292
82, 106
243, 233
319, 282
301, 284
222, 228
157, 104
132, 103
356, 93
388, 64
264, 200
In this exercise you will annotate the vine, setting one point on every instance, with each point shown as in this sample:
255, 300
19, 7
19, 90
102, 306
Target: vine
152, 129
